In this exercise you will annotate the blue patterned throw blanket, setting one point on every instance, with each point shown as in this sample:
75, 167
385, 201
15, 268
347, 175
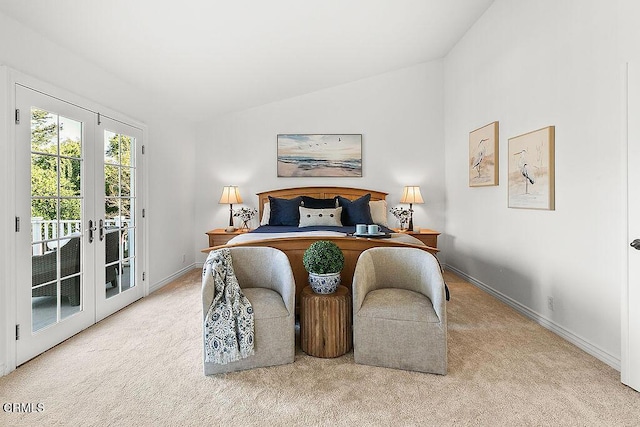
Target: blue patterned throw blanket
228, 325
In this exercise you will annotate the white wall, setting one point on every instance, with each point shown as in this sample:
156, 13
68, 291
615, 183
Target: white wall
531, 64
172, 191
170, 148
399, 115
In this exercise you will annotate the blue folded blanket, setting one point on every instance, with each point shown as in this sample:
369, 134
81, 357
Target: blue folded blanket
347, 229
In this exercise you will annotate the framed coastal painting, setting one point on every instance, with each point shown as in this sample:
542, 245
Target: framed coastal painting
483, 156
320, 155
532, 170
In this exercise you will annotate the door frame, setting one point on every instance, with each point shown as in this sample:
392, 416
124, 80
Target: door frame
8, 79
7, 258
630, 345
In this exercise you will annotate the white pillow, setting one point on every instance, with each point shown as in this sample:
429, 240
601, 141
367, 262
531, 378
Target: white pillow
310, 217
379, 212
266, 214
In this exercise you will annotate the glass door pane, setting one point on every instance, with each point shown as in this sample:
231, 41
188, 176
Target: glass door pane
119, 205
56, 212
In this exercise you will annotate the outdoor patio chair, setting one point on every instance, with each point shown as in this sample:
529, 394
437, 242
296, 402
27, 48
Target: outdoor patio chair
43, 270
112, 249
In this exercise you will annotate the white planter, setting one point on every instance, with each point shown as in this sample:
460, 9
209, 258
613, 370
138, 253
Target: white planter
324, 283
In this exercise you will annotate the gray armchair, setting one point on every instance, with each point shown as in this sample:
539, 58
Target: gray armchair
43, 270
399, 310
266, 279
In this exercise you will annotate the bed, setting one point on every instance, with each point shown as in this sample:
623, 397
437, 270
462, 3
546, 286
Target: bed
294, 242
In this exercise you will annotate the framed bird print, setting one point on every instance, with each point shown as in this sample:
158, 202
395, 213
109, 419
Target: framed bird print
483, 156
532, 170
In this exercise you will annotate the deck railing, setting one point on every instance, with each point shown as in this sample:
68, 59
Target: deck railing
45, 232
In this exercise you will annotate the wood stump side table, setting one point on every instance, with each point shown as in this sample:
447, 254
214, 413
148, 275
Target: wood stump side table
325, 322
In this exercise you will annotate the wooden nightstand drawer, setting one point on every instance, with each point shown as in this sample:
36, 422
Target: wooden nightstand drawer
426, 236
219, 237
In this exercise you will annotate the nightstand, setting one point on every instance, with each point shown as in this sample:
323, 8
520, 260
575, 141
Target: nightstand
219, 237
426, 236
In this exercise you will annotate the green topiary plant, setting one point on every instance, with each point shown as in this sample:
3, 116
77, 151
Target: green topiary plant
323, 257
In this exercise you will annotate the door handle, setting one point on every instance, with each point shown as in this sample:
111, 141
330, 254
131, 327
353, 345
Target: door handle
101, 232
635, 244
92, 228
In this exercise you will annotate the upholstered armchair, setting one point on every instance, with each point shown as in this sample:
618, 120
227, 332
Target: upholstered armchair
44, 269
266, 279
399, 310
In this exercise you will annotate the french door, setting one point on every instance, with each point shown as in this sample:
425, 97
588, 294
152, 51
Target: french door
119, 230
630, 371
76, 221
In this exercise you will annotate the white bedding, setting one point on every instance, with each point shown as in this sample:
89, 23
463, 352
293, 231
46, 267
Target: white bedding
249, 237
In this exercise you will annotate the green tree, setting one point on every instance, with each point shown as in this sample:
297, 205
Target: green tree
49, 155
117, 175
52, 157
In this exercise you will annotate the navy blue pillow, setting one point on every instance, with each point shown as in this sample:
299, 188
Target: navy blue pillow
313, 203
284, 211
355, 211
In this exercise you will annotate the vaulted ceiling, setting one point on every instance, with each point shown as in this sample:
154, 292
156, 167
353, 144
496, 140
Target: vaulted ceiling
212, 57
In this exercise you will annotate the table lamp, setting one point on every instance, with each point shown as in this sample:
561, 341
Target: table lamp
411, 195
230, 195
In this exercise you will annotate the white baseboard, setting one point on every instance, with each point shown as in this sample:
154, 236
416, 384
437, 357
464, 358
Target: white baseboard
154, 287
3, 370
574, 339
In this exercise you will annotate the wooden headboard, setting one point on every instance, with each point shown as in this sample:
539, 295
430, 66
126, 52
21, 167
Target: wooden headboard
318, 193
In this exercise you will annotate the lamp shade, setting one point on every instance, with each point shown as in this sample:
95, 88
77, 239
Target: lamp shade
411, 194
230, 195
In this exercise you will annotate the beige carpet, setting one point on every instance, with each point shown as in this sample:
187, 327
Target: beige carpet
142, 366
